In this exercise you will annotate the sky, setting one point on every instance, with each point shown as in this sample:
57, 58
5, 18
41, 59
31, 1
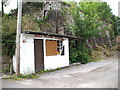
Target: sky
113, 5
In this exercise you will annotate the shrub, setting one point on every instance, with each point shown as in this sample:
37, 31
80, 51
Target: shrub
83, 57
79, 56
29, 23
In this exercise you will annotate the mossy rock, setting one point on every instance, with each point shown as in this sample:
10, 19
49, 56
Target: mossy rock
118, 48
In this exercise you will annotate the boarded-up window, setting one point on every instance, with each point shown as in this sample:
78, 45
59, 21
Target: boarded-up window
51, 47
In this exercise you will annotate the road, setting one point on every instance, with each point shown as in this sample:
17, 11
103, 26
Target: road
102, 74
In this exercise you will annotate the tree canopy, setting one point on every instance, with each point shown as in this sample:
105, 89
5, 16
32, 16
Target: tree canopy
90, 18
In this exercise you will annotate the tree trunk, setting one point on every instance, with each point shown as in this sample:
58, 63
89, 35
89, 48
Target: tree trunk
101, 38
56, 21
94, 40
88, 45
2, 3
108, 38
11, 67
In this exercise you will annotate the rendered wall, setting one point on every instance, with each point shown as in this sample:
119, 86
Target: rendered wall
53, 62
27, 61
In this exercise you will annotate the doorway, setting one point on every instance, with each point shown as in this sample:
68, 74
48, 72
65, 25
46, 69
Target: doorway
39, 55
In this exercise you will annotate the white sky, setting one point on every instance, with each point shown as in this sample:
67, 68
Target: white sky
113, 5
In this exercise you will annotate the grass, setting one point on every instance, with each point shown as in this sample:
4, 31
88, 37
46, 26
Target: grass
28, 76
52, 70
101, 53
6, 78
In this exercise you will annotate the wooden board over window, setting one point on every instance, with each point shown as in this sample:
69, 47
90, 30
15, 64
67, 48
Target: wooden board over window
51, 47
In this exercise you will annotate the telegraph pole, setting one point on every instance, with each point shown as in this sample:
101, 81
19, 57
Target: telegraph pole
18, 38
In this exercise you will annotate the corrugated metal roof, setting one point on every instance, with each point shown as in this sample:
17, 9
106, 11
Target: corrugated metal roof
47, 34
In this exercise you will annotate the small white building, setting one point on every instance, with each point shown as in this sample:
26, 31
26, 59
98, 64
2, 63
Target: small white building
42, 51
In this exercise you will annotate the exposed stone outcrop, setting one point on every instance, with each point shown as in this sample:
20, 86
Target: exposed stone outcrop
52, 16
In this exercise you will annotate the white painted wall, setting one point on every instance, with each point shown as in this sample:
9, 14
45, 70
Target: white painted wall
27, 62
27, 54
53, 62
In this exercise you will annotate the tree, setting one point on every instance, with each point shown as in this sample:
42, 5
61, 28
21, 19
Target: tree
3, 3
8, 37
115, 25
91, 18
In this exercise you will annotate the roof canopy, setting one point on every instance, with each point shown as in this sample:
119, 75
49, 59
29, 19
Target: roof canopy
46, 34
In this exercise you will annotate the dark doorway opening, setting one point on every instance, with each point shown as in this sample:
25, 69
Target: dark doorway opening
39, 55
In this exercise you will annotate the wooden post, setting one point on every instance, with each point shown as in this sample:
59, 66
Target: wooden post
18, 38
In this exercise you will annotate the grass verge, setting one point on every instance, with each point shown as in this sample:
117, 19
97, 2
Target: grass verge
28, 76
13, 77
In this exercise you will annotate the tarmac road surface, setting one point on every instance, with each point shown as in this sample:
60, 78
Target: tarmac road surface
102, 74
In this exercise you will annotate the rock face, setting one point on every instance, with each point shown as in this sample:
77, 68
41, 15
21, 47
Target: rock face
53, 10
52, 16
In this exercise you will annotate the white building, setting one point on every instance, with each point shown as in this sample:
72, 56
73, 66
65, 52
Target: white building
42, 51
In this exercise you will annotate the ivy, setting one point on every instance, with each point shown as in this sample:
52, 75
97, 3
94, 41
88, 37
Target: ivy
9, 24
8, 45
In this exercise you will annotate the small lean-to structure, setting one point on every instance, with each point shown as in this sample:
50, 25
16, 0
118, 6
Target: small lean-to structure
42, 51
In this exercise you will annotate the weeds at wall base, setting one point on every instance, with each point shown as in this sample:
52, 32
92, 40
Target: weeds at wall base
28, 76
13, 77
